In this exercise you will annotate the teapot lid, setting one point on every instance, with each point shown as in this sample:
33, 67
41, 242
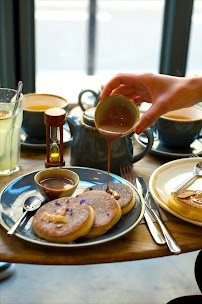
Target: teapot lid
88, 117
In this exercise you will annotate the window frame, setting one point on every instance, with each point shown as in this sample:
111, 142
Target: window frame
17, 44
175, 37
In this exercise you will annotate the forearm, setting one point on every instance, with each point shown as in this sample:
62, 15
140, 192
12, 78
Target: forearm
194, 85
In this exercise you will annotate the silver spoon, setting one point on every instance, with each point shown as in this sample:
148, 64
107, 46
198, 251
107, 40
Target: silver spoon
19, 91
197, 171
32, 203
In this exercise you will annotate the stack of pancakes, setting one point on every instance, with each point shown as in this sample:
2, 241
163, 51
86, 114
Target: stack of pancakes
187, 203
89, 214
121, 192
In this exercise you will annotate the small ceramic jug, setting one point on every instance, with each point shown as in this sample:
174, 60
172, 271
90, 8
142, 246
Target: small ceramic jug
89, 149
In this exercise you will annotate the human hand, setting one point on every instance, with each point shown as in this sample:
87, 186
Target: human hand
165, 93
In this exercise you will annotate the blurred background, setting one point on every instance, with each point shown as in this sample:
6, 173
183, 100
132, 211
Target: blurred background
81, 45
64, 46
122, 36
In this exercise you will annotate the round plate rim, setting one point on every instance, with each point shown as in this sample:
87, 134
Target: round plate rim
73, 245
155, 194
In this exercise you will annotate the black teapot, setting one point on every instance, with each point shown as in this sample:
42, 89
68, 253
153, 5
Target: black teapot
89, 149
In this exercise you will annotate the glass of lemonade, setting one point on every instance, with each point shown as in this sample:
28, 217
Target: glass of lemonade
10, 130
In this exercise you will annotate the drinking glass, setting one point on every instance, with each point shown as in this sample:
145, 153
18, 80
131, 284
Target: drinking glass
10, 130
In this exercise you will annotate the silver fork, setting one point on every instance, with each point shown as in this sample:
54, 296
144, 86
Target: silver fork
127, 174
193, 155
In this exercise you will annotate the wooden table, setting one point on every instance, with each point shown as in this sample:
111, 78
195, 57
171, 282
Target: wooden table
135, 245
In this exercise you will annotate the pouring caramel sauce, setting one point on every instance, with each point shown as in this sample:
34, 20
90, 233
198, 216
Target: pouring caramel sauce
116, 121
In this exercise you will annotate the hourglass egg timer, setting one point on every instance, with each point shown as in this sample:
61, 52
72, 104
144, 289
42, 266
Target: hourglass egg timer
54, 119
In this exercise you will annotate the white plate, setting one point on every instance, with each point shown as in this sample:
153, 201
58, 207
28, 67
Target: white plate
169, 176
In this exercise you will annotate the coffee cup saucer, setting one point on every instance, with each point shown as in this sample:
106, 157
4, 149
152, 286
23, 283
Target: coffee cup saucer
40, 144
159, 149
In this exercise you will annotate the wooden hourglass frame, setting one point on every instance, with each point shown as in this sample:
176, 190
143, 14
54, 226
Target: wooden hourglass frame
54, 118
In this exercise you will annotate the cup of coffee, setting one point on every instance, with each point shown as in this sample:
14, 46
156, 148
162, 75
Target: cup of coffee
34, 106
179, 128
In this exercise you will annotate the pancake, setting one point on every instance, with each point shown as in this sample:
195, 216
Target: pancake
187, 203
63, 220
126, 198
106, 209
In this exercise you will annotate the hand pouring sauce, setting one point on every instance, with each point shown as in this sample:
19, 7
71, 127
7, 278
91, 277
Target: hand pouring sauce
115, 116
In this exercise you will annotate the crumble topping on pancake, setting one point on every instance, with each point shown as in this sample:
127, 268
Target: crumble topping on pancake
121, 192
106, 209
187, 203
52, 217
190, 197
63, 220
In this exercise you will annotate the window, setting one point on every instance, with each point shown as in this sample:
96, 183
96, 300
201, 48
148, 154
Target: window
194, 64
134, 35
127, 38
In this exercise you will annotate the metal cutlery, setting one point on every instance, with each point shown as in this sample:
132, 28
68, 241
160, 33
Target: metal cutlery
159, 239
197, 171
31, 203
152, 228
151, 204
19, 91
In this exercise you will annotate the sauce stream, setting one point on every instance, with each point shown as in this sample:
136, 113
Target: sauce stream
118, 120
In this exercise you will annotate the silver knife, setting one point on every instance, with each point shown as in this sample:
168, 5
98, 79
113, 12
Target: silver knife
151, 204
159, 239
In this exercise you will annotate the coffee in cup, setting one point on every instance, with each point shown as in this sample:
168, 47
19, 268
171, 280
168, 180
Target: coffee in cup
34, 106
179, 128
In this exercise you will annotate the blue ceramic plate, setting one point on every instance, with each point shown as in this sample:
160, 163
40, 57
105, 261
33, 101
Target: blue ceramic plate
40, 144
14, 194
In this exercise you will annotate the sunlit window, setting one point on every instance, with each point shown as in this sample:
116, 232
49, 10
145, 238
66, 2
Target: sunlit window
194, 63
129, 35
128, 39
